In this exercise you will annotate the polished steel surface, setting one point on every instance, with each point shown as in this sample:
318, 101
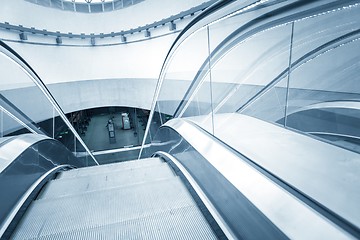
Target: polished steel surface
3, 140
13, 148
265, 194
36, 157
212, 209
4, 225
296, 158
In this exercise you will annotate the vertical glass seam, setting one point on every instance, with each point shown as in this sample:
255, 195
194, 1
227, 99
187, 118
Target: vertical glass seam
53, 123
210, 82
2, 123
289, 71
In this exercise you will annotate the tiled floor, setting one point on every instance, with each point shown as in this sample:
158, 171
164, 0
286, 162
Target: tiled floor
97, 136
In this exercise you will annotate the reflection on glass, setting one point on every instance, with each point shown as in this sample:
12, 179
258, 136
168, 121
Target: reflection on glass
252, 78
285, 94
23, 99
300, 74
324, 90
271, 105
10, 125
200, 102
185, 66
26, 105
64, 134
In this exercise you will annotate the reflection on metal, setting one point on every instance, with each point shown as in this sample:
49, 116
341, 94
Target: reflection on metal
265, 194
330, 105
4, 140
15, 146
335, 122
295, 157
335, 135
25, 196
219, 220
15, 58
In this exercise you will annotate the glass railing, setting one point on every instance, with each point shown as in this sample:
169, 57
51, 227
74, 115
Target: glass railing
26, 106
297, 70
277, 82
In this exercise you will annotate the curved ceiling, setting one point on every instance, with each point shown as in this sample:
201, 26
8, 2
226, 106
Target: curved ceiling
22, 12
86, 6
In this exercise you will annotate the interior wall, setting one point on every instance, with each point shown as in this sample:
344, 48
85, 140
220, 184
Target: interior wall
56, 64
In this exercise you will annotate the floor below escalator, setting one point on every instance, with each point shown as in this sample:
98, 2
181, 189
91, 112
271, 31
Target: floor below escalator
140, 199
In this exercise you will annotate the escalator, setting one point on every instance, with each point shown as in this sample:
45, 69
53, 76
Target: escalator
233, 159
48, 193
182, 192
140, 199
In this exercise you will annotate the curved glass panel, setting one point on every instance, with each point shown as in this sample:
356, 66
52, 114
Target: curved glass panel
178, 80
280, 86
23, 101
27, 108
324, 90
252, 65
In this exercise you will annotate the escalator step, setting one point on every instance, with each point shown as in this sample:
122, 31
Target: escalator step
95, 209
180, 223
110, 167
86, 183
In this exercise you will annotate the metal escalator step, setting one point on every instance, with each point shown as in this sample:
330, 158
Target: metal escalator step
181, 223
99, 208
110, 167
78, 185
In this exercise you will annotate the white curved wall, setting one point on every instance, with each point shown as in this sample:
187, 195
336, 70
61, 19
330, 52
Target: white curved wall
88, 77
55, 64
128, 92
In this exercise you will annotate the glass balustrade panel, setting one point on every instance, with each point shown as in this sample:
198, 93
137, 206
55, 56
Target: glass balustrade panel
324, 89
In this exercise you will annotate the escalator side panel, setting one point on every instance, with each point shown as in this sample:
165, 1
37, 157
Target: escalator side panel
27, 168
